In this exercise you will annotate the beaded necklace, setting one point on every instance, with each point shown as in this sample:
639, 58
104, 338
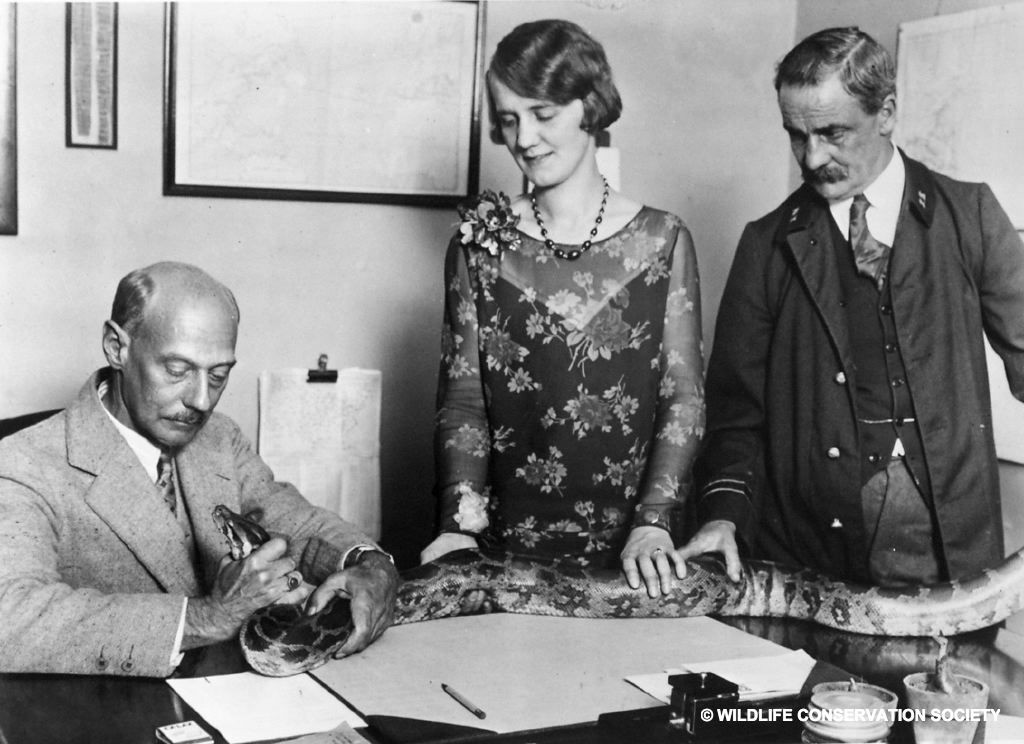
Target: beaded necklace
575, 253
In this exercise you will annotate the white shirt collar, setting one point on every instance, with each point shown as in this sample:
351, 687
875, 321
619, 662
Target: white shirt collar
885, 196
148, 454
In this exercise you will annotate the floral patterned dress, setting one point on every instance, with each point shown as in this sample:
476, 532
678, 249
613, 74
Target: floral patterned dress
569, 390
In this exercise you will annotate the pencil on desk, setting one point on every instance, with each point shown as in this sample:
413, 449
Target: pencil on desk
463, 701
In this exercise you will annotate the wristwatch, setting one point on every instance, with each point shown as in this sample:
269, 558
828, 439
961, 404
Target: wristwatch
653, 516
356, 555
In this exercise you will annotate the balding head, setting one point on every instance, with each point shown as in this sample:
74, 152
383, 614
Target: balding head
175, 280
170, 342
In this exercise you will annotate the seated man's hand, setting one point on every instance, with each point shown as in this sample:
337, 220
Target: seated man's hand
371, 586
717, 536
447, 542
649, 555
266, 577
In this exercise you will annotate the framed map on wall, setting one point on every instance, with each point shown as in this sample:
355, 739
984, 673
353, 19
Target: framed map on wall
353, 101
961, 112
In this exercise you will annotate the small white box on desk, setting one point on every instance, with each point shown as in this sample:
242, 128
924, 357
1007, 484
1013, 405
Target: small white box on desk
186, 732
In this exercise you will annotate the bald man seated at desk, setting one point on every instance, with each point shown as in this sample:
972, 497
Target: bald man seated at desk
110, 561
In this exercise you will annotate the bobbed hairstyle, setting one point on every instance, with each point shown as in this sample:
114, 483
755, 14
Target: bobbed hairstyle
865, 68
555, 60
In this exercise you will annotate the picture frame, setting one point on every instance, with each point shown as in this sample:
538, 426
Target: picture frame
8, 121
348, 102
90, 75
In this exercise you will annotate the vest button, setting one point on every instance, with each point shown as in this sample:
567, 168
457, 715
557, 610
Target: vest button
886, 310
873, 458
890, 347
898, 382
840, 378
833, 453
836, 524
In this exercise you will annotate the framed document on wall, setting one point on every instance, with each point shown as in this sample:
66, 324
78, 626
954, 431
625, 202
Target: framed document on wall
352, 101
90, 75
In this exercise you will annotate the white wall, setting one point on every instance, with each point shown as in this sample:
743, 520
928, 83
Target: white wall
699, 136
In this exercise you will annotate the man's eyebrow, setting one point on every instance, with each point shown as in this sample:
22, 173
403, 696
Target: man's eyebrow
831, 129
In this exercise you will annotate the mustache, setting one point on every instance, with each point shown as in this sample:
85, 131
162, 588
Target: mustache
824, 174
191, 419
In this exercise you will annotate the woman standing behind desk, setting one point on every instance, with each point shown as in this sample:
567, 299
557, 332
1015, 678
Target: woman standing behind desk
570, 401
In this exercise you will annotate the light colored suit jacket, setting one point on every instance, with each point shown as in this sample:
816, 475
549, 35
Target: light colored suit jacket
94, 567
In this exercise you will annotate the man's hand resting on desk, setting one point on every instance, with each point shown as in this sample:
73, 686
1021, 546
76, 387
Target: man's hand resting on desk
242, 587
447, 542
717, 536
371, 586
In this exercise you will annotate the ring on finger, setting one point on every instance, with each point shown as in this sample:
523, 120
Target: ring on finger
293, 581
657, 551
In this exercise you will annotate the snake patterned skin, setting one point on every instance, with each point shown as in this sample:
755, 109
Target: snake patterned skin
281, 640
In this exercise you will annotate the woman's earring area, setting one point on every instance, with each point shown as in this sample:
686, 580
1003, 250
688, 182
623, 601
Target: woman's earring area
576, 252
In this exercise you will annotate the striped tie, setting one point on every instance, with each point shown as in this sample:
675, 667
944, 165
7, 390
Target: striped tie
165, 481
871, 257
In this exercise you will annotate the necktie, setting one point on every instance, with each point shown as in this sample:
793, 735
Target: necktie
871, 257
165, 481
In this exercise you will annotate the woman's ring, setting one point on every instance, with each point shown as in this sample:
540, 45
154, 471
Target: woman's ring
293, 581
656, 551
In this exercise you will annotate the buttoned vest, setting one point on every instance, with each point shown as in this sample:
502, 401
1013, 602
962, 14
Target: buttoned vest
882, 398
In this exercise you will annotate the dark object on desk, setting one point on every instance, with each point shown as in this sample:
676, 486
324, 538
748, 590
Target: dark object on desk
9, 426
398, 730
704, 704
754, 721
321, 373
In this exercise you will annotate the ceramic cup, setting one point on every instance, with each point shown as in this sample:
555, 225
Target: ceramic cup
973, 697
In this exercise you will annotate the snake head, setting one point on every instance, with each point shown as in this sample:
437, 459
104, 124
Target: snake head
243, 535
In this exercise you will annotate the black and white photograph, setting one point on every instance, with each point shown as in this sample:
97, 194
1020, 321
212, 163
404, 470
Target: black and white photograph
512, 371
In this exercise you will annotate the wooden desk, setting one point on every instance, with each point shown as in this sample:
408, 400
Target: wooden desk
44, 709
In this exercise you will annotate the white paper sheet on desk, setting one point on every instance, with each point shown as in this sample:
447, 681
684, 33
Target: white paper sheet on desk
758, 678
1004, 730
525, 671
249, 707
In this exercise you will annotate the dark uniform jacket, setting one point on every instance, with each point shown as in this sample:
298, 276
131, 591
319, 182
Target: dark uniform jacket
782, 456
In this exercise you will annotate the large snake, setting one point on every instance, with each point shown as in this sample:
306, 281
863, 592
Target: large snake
280, 639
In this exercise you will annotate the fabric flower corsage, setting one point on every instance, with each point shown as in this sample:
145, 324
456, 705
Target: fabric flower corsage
489, 222
472, 515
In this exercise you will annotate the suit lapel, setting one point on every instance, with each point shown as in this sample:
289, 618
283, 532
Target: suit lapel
206, 474
916, 213
124, 496
808, 233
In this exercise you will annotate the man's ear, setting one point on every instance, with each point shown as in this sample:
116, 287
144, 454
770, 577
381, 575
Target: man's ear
887, 116
115, 344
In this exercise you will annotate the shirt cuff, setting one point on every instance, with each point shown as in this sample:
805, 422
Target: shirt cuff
176, 653
356, 551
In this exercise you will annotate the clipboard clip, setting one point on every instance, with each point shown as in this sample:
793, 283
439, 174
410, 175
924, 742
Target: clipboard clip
321, 373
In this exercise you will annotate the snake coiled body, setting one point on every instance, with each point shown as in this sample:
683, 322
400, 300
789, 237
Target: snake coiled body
281, 640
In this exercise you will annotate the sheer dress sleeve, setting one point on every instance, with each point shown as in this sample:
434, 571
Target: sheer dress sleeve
679, 423
462, 441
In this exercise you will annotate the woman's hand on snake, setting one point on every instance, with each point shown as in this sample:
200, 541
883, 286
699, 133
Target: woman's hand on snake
371, 587
266, 576
717, 536
649, 559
